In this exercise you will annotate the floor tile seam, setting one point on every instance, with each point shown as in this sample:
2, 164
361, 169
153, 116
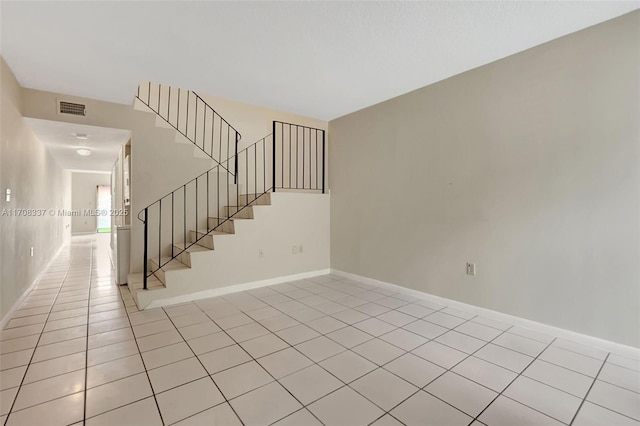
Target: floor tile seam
256, 361
565, 367
637, 420
571, 350
204, 367
86, 356
416, 319
297, 411
619, 386
128, 316
200, 412
26, 315
119, 407
450, 369
44, 402
501, 393
31, 359
431, 381
589, 390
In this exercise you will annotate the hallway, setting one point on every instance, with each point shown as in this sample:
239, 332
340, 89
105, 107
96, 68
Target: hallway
321, 351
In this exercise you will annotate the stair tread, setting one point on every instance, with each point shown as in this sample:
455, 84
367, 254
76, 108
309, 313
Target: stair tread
162, 259
170, 264
255, 196
191, 247
203, 231
173, 265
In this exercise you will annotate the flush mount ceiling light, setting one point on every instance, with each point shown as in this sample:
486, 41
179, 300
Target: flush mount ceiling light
83, 152
82, 136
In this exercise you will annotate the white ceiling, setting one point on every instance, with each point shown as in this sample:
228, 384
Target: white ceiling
320, 59
60, 140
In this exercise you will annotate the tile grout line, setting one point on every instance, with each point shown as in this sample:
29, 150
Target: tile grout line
441, 374
185, 341
450, 329
35, 348
378, 367
348, 349
314, 362
241, 310
61, 374
205, 369
256, 361
511, 382
86, 353
573, 419
146, 371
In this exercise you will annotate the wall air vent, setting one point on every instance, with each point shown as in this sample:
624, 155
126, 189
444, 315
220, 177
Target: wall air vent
72, 108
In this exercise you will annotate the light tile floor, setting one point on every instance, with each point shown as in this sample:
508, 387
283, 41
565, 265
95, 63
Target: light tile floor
320, 351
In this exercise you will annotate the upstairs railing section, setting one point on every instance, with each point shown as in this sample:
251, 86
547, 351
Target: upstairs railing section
205, 204
193, 118
298, 157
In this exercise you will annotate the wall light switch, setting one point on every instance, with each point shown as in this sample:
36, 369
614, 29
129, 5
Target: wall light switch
294, 250
471, 268
8, 193
31, 251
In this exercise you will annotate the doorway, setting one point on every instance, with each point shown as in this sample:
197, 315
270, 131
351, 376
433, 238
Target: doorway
103, 207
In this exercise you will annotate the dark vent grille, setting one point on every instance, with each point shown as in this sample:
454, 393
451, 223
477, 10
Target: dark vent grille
71, 108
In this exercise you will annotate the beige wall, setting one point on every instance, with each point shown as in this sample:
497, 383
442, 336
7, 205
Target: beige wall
300, 219
36, 182
528, 167
158, 164
255, 122
83, 196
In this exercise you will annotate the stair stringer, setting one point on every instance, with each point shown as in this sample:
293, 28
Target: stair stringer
162, 160
291, 219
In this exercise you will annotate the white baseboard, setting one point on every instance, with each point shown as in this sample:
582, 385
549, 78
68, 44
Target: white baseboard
584, 339
9, 315
233, 289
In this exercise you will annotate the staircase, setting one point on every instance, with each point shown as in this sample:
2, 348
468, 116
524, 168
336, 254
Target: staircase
185, 226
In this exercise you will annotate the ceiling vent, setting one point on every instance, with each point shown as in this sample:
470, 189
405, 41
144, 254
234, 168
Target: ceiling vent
72, 108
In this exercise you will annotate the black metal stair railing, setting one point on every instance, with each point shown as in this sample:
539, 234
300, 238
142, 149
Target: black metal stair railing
193, 118
180, 219
292, 157
298, 157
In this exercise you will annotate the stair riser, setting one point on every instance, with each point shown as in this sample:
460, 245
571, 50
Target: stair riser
263, 200
227, 226
245, 213
185, 257
160, 274
152, 265
206, 242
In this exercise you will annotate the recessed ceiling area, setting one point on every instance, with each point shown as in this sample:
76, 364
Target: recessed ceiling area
64, 140
319, 59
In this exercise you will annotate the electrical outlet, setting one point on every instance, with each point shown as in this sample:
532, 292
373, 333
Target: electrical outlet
471, 268
260, 253
31, 251
300, 249
294, 250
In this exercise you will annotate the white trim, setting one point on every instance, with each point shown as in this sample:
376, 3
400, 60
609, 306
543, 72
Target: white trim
97, 172
9, 315
234, 288
584, 339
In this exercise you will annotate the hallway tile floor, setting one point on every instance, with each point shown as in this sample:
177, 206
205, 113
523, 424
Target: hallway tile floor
325, 350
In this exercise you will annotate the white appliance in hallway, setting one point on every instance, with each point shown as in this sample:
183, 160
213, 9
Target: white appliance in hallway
121, 255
